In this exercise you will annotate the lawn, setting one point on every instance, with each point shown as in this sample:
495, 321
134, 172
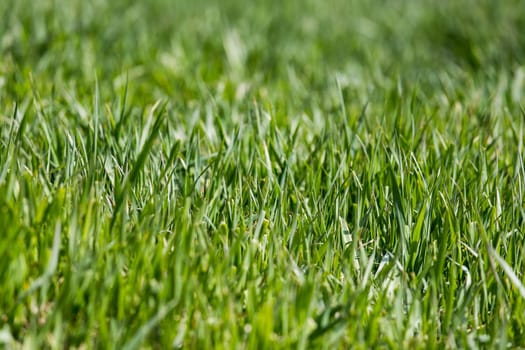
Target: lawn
227, 174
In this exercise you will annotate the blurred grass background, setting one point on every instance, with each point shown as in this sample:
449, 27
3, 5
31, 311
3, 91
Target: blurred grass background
176, 45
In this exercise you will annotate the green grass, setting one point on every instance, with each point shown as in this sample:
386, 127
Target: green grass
229, 175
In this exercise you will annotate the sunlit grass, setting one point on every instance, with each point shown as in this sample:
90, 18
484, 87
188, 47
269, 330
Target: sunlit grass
297, 175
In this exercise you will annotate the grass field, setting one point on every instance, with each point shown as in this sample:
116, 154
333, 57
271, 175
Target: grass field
262, 175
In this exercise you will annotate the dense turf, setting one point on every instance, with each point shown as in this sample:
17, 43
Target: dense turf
266, 174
